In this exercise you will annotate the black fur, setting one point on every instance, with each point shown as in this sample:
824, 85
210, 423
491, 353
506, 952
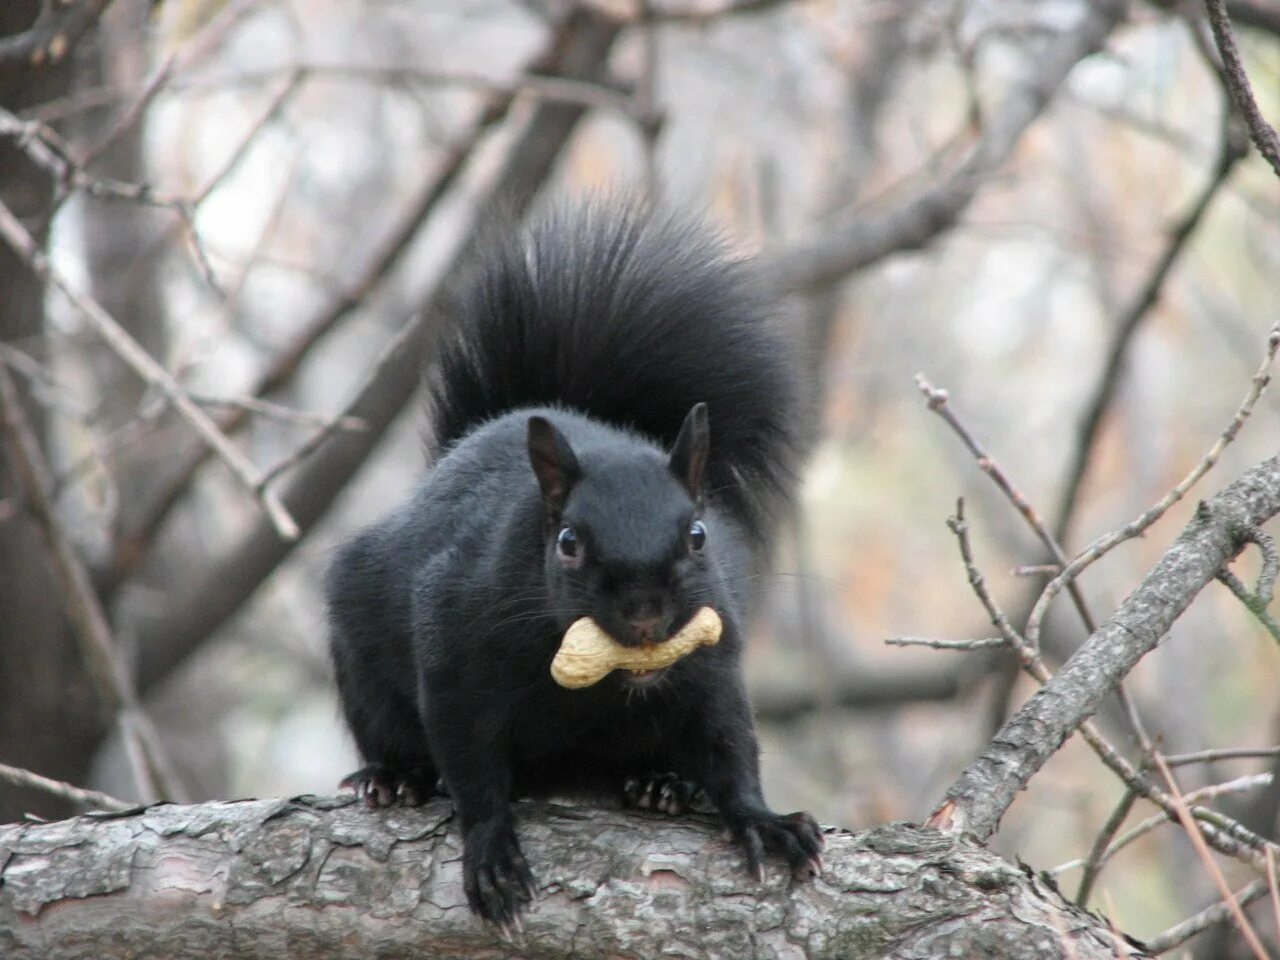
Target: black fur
569, 399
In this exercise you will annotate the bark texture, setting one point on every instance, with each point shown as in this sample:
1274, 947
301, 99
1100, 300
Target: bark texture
312, 878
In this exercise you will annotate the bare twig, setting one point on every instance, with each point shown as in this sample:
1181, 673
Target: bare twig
1262, 133
937, 402
699, 14
578, 48
208, 37
1251, 602
544, 87
185, 223
45, 148
1106, 543
276, 411
1227, 753
976, 801
89, 798
148, 369
132, 544
1209, 917
84, 612
983, 644
1101, 844
1230, 151
1197, 839
1099, 854
866, 237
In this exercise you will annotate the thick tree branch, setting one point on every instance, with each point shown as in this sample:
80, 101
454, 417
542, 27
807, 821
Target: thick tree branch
978, 799
317, 878
166, 640
916, 221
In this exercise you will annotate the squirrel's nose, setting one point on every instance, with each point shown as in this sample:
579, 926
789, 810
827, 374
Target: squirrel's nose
647, 629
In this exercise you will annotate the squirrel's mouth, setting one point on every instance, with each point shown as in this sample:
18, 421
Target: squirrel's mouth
641, 678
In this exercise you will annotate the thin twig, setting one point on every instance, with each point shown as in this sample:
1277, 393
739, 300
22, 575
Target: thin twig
129, 350
185, 223
1252, 602
132, 544
45, 148
1137, 527
1223, 833
276, 411
697, 14
985, 643
1262, 133
1197, 839
1209, 917
1101, 843
1273, 881
1227, 753
544, 87
1230, 150
83, 609
937, 402
18, 777
1143, 827
208, 37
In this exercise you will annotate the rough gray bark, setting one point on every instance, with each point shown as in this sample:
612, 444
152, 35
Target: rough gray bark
978, 799
313, 878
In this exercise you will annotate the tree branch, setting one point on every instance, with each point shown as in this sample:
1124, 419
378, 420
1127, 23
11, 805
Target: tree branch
146, 367
47, 42
248, 878
166, 640
916, 221
1263, 134
133, 544
88, 621
977, 800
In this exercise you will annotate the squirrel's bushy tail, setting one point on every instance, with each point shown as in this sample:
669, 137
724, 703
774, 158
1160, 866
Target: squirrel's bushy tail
630, 317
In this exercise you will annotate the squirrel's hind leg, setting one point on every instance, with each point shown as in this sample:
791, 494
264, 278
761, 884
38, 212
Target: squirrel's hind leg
664, 792
380, 785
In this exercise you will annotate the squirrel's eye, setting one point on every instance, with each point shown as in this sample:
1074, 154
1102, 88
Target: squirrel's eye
697, 535
567, 543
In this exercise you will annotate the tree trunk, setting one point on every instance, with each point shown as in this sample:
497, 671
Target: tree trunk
49, 721
313, 878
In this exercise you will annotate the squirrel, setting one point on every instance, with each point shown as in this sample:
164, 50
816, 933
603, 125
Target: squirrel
619, 424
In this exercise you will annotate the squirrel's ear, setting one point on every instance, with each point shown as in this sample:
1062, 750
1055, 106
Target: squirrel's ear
553, 462
689, 452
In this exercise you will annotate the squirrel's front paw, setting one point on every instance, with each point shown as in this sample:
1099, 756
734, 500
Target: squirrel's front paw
665, 792
495, 875
794, 835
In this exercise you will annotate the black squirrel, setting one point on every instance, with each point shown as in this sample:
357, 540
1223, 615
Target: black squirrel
619, 421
